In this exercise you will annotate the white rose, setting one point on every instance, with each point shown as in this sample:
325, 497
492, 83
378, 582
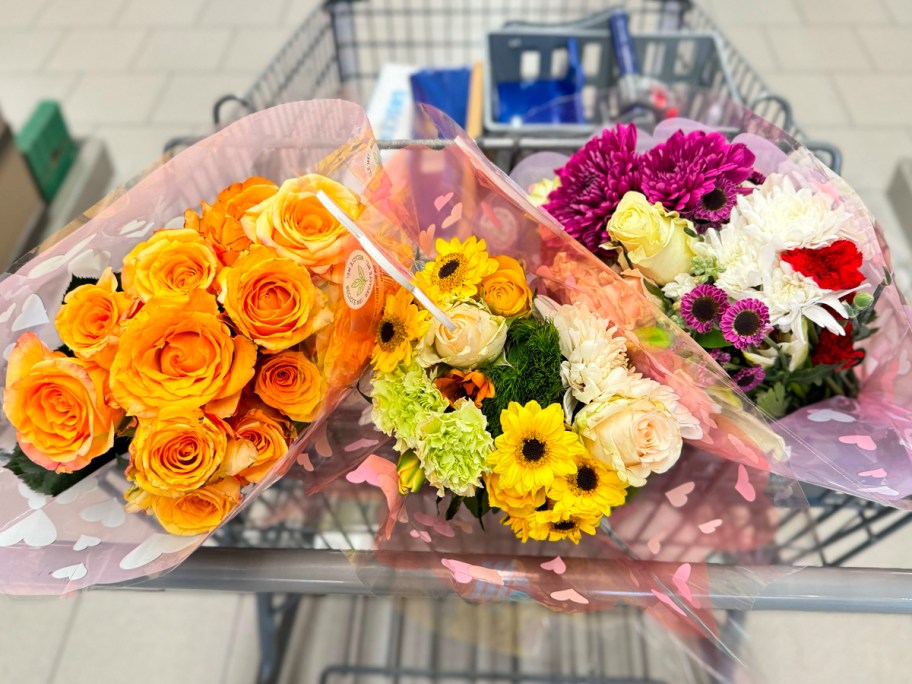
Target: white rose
635, 437
477, 338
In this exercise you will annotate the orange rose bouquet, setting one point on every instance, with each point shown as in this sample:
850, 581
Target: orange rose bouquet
174, 354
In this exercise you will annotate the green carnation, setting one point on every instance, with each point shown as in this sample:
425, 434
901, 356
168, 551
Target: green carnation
402, 401
454, 448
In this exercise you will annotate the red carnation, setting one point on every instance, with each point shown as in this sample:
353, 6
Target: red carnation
833, 268
837, 350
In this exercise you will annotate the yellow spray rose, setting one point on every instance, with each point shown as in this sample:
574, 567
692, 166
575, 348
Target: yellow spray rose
195, 512
654, 238
59, 406
92, 318
170, 262
292, 384
299, 227
178, 353
505, 291
272, 300
478, 337
178, 452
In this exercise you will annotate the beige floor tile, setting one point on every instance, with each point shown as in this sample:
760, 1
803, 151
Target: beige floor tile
901, 10
875, 100
243, 659
243, 13
870, 154
250, 50
32, 632
818, 49
814, 99
159, 636
147, 14
20, 93
297, 11
97, 50
821, 648
845, 12
183, 50
754, 45
895, 551
750, 13
890, 47
26, 51
71, 13
189, 98
18, 14
115, 99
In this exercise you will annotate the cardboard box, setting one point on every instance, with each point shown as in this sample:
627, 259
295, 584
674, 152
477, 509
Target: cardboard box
23, 206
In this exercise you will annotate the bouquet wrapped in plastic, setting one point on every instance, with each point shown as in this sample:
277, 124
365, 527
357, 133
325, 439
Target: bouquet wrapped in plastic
174, 353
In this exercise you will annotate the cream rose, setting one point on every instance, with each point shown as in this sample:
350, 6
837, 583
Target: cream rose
635, 437
654, 238
477, 338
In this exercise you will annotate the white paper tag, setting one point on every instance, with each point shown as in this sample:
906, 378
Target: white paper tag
358, 282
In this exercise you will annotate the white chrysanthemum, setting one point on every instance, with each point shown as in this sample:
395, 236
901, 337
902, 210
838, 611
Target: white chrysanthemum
790, 297
777, 217
595, 356
737, 258
680, 286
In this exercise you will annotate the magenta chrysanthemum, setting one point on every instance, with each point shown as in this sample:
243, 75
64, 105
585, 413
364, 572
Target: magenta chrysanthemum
749, 378
687, 167
721, 357
745, 323
703, 307
716, 205
592, 183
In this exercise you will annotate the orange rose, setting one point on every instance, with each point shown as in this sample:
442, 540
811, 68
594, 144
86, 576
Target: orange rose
272, 300
505, 291
92, 317
178, 353
58, 406
171, 261
196, 512
269, 433
297, 224
220, 223
292, 384
176, 453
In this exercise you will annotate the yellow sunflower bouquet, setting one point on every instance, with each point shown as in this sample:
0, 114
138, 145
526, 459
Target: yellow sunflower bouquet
508, 401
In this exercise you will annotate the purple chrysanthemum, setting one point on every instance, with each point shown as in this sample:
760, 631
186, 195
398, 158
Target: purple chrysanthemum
688, 166
749, 378
593, 182
745, 323
757, 178
715, 206
721, 357
703, 307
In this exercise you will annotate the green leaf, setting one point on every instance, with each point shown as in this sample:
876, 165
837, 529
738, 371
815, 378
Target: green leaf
654, 336
714, 339
774, 400
453, 508
45, 481
812, 375
478, 505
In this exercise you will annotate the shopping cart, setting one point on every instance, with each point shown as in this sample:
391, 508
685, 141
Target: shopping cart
337, 51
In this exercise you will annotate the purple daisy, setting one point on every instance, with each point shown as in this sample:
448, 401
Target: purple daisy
749, 378
593, 182
745, 323
715, 206
757, 178
688, 166
703, 307
721, 357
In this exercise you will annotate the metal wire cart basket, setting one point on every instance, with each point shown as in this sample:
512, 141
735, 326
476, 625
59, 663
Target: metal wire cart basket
338, 51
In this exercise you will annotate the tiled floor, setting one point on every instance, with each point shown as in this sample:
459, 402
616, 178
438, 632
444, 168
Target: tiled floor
139, 72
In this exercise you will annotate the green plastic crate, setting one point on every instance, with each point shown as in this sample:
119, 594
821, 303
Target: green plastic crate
47, 146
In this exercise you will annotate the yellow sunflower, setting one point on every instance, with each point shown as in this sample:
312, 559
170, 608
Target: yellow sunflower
534, 448
554, 526
457, 271
591, 487
510, 501
402, 324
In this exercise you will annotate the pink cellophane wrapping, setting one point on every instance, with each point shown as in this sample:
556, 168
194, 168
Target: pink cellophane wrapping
718, 504
860, 446
83, 537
